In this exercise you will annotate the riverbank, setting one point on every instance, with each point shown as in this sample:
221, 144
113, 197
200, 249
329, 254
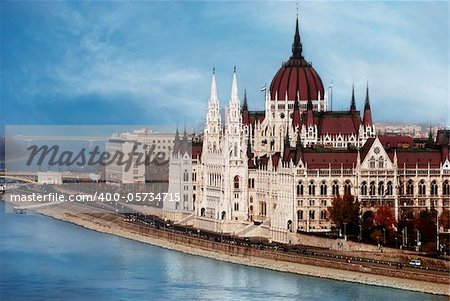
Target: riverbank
113, 226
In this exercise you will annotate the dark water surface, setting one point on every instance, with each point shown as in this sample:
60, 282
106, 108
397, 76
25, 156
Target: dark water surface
45, 259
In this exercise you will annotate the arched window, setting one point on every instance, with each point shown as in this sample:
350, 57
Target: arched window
236, 182
323, 188
364, 188
381, 162
410, 187
323, 214
312, 214
372, 188
434, 188
202, 212
300, 188
381, 188
348, 187
335, 188
224, 214
372, 162
185, 176
389, 190
446, 188
300, 215
422, 187
263, 208
312, 188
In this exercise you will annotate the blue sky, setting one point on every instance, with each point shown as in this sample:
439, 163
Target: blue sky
151, 62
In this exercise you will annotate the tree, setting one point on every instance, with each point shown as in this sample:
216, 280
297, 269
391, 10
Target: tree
345, 209
426, 225
385, 218
444, 219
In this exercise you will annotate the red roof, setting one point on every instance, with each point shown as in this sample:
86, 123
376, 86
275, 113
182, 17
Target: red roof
421, 158
335, 123
296, 77
196, 151
345, 159
396, 141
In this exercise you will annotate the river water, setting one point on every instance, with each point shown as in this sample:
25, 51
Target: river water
46, 259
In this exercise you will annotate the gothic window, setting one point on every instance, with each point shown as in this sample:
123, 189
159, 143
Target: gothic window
446, 188
185, 176
300, 215
323, 188
347, 187
422, 188
372, 188
236, 182
434, 188
300, 188
389, 189
381, 162
224, 214
381, 188
236, 206
372, 162
323, 214
202, 212
263, 208
410, 187
335, 188
312, 188
312, 214
235, 150
364, 188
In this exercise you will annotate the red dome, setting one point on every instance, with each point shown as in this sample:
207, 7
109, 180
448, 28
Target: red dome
296, 75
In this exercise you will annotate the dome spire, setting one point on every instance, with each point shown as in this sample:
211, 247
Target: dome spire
353, 103
297, 45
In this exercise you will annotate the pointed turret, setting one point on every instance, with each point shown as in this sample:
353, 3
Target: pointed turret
309, 114
353, 102
184, 143
298, 149
214, 98
176, 145
245, 116
234, 99
297, 47
287, 146
367, 118
296, 115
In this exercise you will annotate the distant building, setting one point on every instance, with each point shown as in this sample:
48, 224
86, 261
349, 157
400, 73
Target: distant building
50, 177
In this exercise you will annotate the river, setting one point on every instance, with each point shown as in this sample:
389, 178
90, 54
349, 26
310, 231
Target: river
45, 259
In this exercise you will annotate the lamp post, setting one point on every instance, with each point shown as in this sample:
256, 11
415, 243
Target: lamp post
360, 232
345, 231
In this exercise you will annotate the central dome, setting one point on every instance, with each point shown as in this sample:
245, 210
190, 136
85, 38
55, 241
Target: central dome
296, 76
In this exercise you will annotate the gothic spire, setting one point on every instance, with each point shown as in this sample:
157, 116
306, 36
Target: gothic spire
287, 142
353, 103
234, 89
367, 118
367, 102
297, 45
245, 105
214, 98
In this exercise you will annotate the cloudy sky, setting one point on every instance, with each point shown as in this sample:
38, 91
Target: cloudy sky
151, 62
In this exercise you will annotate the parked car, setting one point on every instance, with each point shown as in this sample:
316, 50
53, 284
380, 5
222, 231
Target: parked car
415, 262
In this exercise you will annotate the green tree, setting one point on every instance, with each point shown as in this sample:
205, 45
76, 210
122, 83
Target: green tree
345, 209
